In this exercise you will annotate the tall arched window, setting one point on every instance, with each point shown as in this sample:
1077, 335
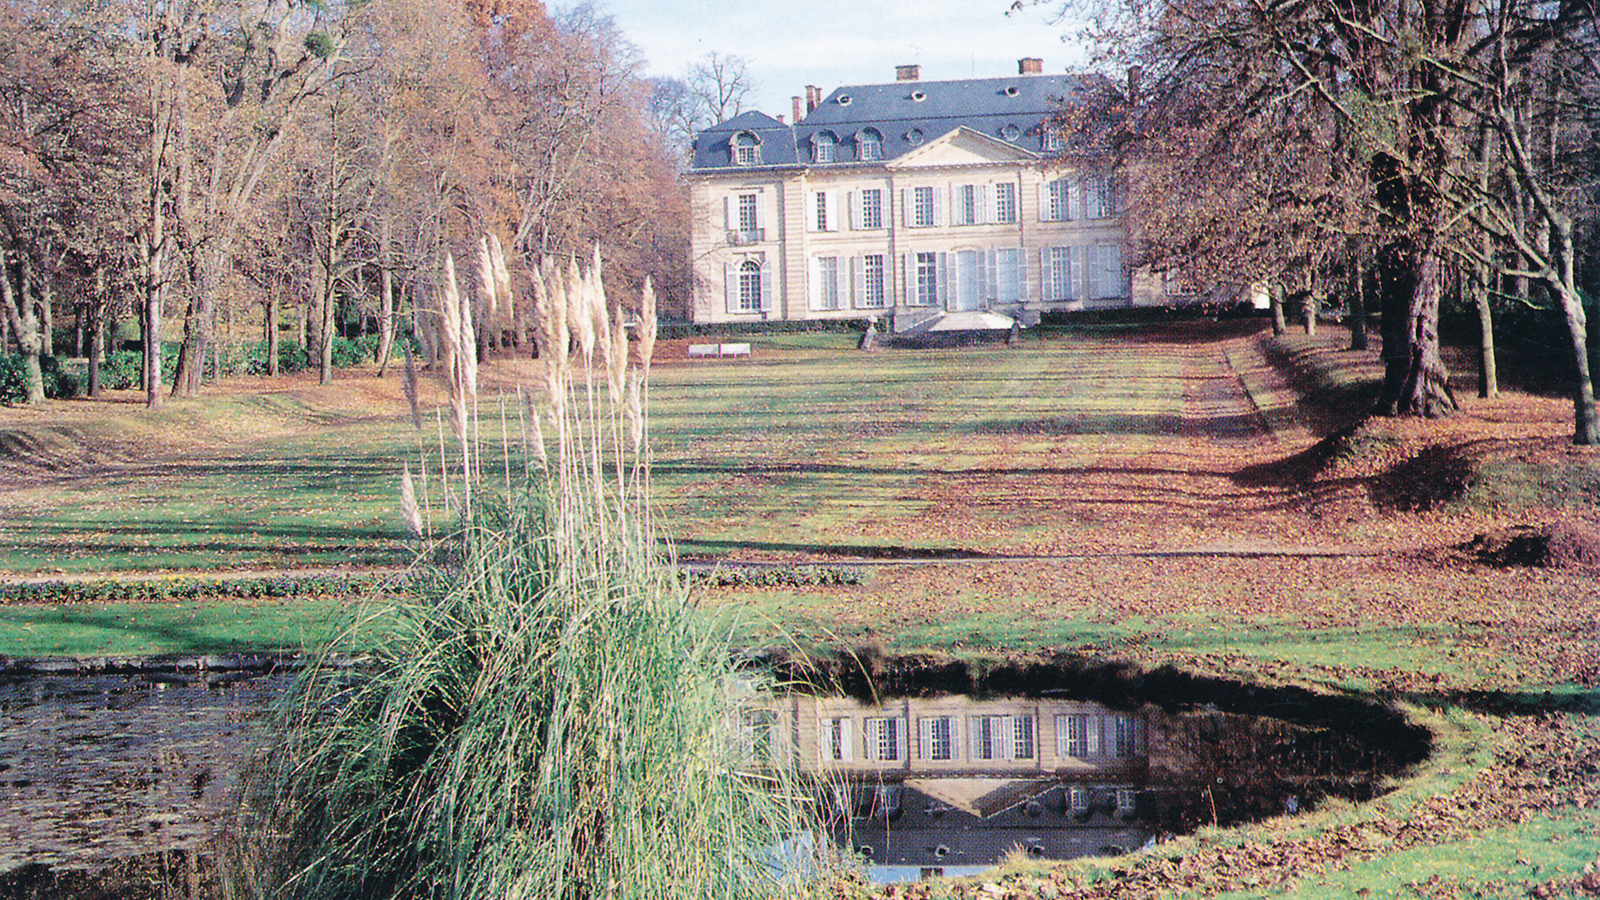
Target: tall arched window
869, 145
822, 146
746, 149
750, 286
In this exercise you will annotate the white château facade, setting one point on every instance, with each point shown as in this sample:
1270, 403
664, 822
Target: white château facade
910, 199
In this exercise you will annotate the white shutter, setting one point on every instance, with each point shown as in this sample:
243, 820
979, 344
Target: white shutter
942, 282
1044, 201
1091, 273
1047, 275
1074, 189
730, 284
1022, 276
1093, 735
830, 202
728, 221
763, 211
1111, 264
908, 283
766, 286
811, 211
906, 218
1091, 198
854, 201
940, 202
814, 282
858, 282
846, 740
989, 277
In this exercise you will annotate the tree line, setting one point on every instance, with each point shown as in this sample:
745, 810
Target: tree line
306, 163
1406, 154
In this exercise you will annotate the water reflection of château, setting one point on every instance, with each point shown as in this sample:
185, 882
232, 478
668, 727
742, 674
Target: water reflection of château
950, 785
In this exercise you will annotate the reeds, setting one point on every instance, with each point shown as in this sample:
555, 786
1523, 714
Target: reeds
549, 718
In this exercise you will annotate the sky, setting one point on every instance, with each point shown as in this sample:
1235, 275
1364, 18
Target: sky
789, 44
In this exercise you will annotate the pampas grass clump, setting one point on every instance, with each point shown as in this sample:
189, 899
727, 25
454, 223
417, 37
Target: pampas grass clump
551, 717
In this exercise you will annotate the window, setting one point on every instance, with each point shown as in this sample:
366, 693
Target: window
748, 205
825, 279
746, 149
883, 739
822, 211
1078, 799
869, 282
1103, 263
1127, 800
965, 281
1052, 139
1125, 737
1001, 737
1077, 735
921, 207
749, 286
760, 727
966, 206
925, 287
1006, 285
915, 137
822, 147
1010, 133
938, 737
1005, 203
871, 201
833, 740
869, 145
1056, 273
1057, 203
1022, 737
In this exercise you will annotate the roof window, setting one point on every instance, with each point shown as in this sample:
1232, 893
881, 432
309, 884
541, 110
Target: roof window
844, 99
918, 96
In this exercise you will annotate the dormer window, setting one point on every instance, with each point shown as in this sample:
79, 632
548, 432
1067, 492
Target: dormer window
822, 147
918, 96
844, 99
1011, 133
869, 145
1052, 140
746, 149
914, 137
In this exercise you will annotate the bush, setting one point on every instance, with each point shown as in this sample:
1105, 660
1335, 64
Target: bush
292, 357
120, 370
14, 379
683, 330
347, 353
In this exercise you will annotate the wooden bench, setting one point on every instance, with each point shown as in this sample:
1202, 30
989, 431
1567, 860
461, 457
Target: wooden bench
703, 350
733, 350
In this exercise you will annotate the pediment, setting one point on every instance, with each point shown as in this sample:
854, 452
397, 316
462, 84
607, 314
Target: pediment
962, 146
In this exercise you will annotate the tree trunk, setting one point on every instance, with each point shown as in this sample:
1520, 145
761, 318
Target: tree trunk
1415, 380
97, 335
21, 312
1358, 300
1280, 324
272, 336
1488, 377
1586, 431
385, 299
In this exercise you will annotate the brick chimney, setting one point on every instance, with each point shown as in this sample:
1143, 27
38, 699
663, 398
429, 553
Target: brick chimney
907, 73
1030, 66
813, 97
798, 115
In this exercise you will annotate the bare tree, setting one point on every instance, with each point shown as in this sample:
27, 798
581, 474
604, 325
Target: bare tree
719, 84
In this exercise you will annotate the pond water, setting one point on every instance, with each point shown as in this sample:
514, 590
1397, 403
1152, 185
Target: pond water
97, 770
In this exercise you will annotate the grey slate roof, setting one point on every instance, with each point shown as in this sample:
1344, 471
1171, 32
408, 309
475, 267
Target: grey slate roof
905, 114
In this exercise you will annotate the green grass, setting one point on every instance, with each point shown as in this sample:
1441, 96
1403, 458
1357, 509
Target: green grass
144, 629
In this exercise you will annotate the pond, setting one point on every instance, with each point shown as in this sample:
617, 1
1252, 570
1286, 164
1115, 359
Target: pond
125, 778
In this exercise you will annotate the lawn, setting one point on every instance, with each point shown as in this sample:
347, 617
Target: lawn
1156, 497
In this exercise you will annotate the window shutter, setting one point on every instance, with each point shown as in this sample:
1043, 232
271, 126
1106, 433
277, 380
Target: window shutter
940, 202
728, 222
1111, 262
830, 203
814, 282
766, 286
989, 277
1047, 276
1091, 272
811, 210
853, 199
973, 732
1091, 198
942, 281
858, 282
824, 740
1093, 734
763, 212
1022, 276
1044, 201
908, 278
846, 740
906, 217
730, 285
